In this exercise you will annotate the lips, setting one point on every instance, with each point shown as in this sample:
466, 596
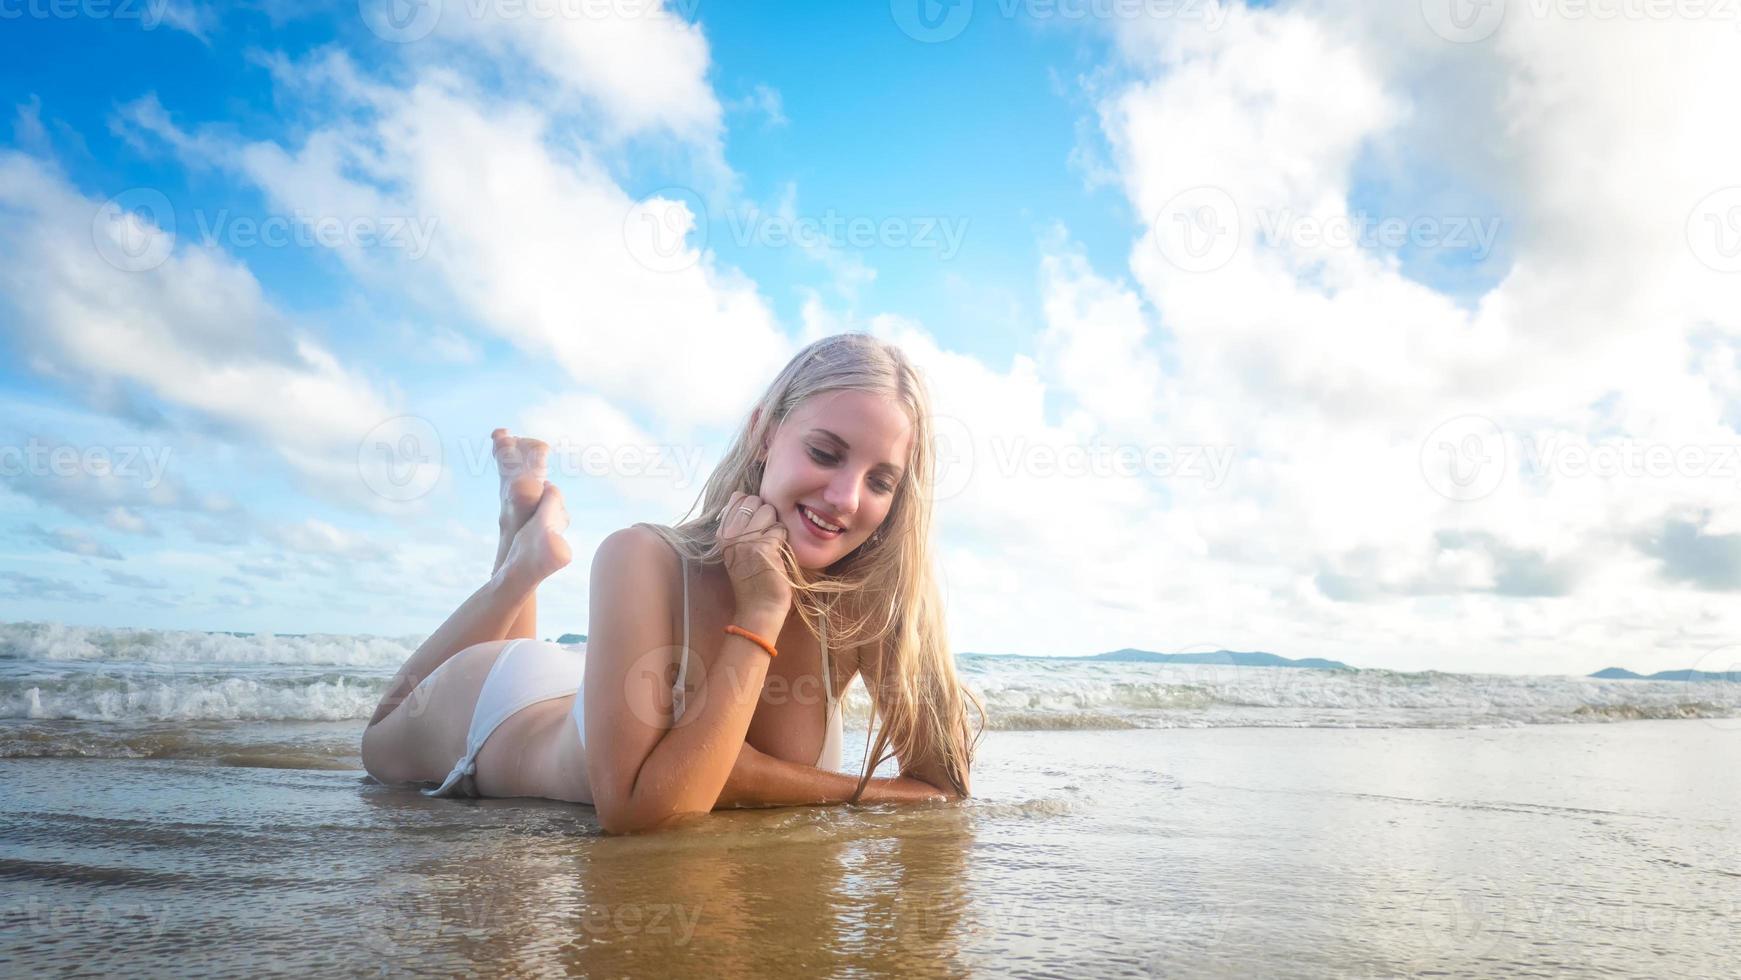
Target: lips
803, 511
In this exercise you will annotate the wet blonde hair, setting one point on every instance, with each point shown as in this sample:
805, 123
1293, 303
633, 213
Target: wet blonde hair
883, 592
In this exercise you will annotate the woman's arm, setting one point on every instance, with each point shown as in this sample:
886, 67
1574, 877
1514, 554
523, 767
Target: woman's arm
759, 779
644, 769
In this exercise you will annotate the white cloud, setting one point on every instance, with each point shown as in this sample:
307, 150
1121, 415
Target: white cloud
1328, 366
195, 329
533, 238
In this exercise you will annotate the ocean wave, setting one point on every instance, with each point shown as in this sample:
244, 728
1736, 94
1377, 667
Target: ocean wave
55, 642
51, 671
155, 696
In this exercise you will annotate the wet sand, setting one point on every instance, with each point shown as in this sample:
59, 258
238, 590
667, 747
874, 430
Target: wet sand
1574, 849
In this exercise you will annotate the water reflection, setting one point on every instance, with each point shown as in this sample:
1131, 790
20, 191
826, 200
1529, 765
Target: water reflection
808, 891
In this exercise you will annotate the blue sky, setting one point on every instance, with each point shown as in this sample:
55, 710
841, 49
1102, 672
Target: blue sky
1036, 183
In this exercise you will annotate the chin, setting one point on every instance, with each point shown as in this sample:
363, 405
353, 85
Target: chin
814, 555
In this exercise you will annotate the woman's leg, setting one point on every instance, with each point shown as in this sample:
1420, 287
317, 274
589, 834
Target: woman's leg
523, 465
536, 552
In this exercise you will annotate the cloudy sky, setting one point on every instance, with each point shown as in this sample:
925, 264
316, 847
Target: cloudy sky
1402, 333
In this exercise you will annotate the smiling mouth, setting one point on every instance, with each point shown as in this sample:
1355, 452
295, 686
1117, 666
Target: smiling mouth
811, 519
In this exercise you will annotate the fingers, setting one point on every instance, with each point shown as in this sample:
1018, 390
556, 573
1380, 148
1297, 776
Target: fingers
759, 517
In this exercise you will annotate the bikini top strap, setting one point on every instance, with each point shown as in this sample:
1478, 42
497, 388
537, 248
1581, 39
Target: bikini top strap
827, 678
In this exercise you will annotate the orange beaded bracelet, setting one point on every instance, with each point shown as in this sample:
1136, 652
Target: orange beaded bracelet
753, 638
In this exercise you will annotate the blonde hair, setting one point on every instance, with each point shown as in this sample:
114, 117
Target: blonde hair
882, 592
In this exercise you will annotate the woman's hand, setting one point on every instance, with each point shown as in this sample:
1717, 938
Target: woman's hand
751, 533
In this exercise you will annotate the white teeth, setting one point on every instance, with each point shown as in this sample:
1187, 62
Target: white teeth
819, 522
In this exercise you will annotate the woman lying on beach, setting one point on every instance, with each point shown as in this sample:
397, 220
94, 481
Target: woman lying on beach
698, 689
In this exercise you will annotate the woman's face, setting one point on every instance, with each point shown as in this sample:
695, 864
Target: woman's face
840, 455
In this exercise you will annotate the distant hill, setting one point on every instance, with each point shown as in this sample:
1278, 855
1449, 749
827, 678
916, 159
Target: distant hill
1224, 657
1621, 674
572, 638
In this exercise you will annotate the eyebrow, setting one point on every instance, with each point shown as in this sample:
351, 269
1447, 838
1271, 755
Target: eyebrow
846, 447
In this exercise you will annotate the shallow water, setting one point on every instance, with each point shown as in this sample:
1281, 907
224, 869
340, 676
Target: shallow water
1571, 849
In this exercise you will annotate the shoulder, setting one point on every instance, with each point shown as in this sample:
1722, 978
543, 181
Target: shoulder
637, 557
637, 544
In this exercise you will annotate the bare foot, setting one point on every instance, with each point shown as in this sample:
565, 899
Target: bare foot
539, 549
523, 465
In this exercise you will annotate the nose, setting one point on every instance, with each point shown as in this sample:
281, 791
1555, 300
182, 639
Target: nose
842, 495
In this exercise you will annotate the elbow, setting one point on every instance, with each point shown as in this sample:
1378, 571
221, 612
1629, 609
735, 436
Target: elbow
623, 818
620, 818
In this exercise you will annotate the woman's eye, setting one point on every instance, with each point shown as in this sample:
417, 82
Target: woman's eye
881, 486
